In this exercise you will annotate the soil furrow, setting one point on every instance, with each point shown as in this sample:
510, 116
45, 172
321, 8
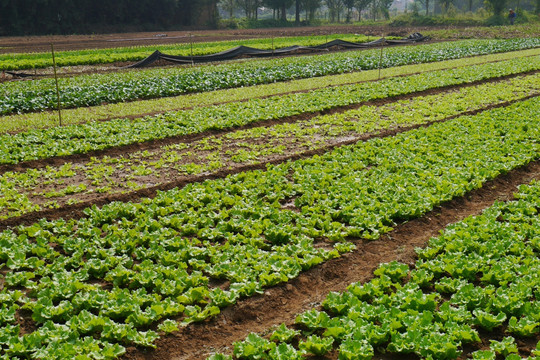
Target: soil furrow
155, 113
154, 144
74, 211
280, 304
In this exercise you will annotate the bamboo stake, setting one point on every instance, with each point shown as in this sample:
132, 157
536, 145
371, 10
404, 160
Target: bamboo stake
191, 44
57, 89
380, 58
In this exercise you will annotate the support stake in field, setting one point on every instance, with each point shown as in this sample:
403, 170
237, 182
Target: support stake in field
57, 89
272, 45
380, 58
191, 45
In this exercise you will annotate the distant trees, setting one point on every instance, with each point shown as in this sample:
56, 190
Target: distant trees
335, 8
498, 6
80, 16
311, 6
280, 7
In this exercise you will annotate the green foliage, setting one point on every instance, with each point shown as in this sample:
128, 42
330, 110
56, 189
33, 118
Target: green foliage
504, 347
158, 255
394, 270
284, 334
412, 19
394, 325
487, 320
316, 345
113, 88
37, 144
253, 348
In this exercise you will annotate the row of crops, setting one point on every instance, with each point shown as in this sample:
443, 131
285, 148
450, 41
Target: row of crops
17, 61
26, 121
258, 144
19, 97
159, 255
83, 138
127, 273
478, 276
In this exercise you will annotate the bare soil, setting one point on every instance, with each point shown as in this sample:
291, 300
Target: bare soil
167, 178
278, 304
27, 44
281, 304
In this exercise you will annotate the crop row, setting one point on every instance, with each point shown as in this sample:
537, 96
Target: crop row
64, 184
480, 276
16, 61
113, 88
97, 284
27, 121
82, 138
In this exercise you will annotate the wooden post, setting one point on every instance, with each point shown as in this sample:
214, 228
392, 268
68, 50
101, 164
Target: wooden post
191, 45
57, 89
380, 58
272, 44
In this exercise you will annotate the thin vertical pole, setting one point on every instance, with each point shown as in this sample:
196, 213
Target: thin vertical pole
57, 89
272, 44
191, 44
380, 58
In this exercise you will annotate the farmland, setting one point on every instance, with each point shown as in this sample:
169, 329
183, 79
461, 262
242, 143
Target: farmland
300, 207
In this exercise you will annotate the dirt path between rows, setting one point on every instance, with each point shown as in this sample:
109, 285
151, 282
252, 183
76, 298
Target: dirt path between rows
155, 144
166, 179
24, 44
180, 108
280, 304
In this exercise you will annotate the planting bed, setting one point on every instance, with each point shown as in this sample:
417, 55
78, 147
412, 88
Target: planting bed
175, 232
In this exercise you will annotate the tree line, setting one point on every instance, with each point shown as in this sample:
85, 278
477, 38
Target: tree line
23, 17
352, 10
305, 10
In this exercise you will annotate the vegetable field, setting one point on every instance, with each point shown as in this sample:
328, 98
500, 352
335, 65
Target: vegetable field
351, 205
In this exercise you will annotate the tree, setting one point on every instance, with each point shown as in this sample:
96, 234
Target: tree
349, 4
381, 7
229, 6
281, 6
360, 6
497, 6
426, 4
311, 7
335, 7
249, 7
445, 4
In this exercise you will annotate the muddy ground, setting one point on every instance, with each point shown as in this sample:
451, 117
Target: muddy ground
281, 304
22, 44
278, 304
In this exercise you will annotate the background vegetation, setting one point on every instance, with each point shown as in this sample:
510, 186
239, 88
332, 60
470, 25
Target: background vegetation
25, 17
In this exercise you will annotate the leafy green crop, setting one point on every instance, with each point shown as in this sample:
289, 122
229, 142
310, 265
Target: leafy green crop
502, 234
257, 144
102, 282
113, 88
135, 53
83, 138
27, 121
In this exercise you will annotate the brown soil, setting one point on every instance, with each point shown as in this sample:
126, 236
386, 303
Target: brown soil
165, 179
280, 304
19, 44
159, 112
154, 144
